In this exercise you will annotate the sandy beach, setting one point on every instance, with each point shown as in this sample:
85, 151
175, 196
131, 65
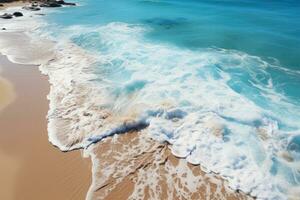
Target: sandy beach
30, 167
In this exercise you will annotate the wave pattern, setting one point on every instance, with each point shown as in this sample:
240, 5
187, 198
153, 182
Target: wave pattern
225, 110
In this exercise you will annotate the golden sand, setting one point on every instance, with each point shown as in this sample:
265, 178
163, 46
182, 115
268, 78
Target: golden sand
30, 167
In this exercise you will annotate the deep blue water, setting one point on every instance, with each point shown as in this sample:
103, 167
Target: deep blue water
237, 61
266, 28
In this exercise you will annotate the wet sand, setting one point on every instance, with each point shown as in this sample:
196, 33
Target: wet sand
133, 166
30, 167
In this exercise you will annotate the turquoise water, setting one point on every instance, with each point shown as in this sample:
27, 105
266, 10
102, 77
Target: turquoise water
262, 28
231, 63
268, 29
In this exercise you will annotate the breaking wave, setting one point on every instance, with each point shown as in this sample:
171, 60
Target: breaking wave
222, 109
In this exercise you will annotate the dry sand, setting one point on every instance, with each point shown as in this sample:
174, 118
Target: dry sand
7, 93
30, 167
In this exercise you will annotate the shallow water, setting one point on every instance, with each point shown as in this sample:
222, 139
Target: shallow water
216, 79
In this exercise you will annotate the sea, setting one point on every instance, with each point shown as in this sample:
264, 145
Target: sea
219, 80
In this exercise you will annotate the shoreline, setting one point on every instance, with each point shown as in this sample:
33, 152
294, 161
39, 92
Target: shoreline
125, 137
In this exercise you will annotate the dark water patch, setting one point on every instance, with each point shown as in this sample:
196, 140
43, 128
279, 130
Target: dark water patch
166, 23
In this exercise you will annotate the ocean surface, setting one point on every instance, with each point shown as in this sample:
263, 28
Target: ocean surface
217, 79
